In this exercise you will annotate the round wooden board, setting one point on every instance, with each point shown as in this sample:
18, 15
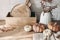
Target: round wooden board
20, 10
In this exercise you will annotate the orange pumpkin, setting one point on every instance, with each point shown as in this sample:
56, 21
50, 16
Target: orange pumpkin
54, 26
38, 27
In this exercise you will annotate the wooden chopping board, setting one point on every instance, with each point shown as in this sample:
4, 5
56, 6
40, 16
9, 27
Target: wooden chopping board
20, 10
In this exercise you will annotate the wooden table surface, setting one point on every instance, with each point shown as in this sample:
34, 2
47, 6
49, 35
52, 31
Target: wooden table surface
17, 34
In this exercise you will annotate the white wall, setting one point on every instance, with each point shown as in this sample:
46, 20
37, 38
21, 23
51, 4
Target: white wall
36, 5
6, 6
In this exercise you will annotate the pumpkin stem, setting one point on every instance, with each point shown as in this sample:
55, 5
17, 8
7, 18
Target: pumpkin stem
54, 36
55, 23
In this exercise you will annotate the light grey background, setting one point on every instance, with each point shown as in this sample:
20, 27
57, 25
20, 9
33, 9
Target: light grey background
7, 5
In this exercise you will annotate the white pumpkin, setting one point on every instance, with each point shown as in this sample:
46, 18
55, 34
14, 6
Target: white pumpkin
27, 28
58, 35
47, 34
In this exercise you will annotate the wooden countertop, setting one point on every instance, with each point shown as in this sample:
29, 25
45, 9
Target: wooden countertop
23, 34
16, 34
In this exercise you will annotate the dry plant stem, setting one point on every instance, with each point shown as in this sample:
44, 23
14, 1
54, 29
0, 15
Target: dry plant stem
53, 36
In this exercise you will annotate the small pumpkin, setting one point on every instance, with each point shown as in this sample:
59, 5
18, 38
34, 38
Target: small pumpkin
47, 34
50, 25
38, 27
54, 26
27, 28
